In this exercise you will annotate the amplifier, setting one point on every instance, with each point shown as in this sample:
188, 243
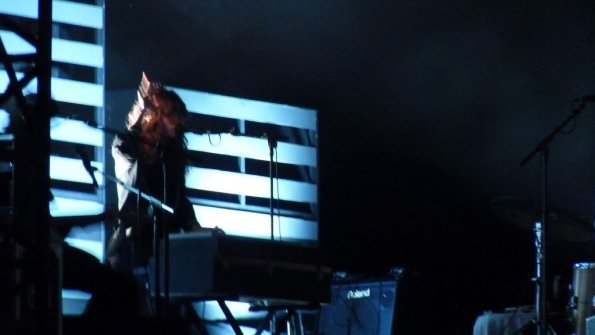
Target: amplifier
360, 307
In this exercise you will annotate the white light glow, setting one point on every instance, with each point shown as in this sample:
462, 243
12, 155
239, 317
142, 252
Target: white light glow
94, 248
65, 90
253, 148
14, 44
71, 52
74, 302
250, 185
63, 11
244, 222
67, 203
257, 225
70, 169
4, 120
73, 131
211, 311
61, 206
249, 110
240, 221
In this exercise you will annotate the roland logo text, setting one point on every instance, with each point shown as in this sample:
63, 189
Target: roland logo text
358, 294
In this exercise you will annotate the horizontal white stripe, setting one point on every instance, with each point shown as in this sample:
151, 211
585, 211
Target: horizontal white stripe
71, 52
78, 14
14, 44
253, 148
63, 12
250, 185
61, 206
65, 90
257, 225
249, 110
79, 53
70, 169
75, 132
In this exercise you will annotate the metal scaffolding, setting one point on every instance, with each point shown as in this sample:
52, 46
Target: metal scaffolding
31, 295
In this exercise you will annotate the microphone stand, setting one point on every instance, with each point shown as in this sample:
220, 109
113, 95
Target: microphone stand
542, 228
152, 200
159, 204
272, 142
272, 146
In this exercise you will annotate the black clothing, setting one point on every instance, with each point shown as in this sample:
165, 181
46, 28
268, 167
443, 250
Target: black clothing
131, 244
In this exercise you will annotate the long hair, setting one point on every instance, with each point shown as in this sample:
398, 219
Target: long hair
160, 120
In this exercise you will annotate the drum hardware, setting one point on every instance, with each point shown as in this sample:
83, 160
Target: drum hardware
581, 303
542, 230
563, 226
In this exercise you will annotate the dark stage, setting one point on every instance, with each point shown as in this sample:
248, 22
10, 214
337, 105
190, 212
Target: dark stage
426, 111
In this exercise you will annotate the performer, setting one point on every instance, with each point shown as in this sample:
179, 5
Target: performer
151, 157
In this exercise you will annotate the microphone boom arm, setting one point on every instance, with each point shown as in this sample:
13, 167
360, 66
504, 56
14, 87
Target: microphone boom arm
154, 201
545, 143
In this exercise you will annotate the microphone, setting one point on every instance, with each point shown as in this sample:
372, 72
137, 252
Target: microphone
87, 163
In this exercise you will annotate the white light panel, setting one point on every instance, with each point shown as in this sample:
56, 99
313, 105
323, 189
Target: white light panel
67, 88
248, 110
72, 52
245, 220
250, 185
253, 148
74, 131
63, 11
256, 225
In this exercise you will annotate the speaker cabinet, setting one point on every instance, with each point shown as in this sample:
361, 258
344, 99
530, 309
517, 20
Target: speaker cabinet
360, 307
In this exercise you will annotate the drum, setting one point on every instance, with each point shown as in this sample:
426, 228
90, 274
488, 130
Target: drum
582, 302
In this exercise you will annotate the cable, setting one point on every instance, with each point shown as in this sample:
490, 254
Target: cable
278, 195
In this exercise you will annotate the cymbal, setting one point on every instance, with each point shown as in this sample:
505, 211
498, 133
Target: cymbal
562, 225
